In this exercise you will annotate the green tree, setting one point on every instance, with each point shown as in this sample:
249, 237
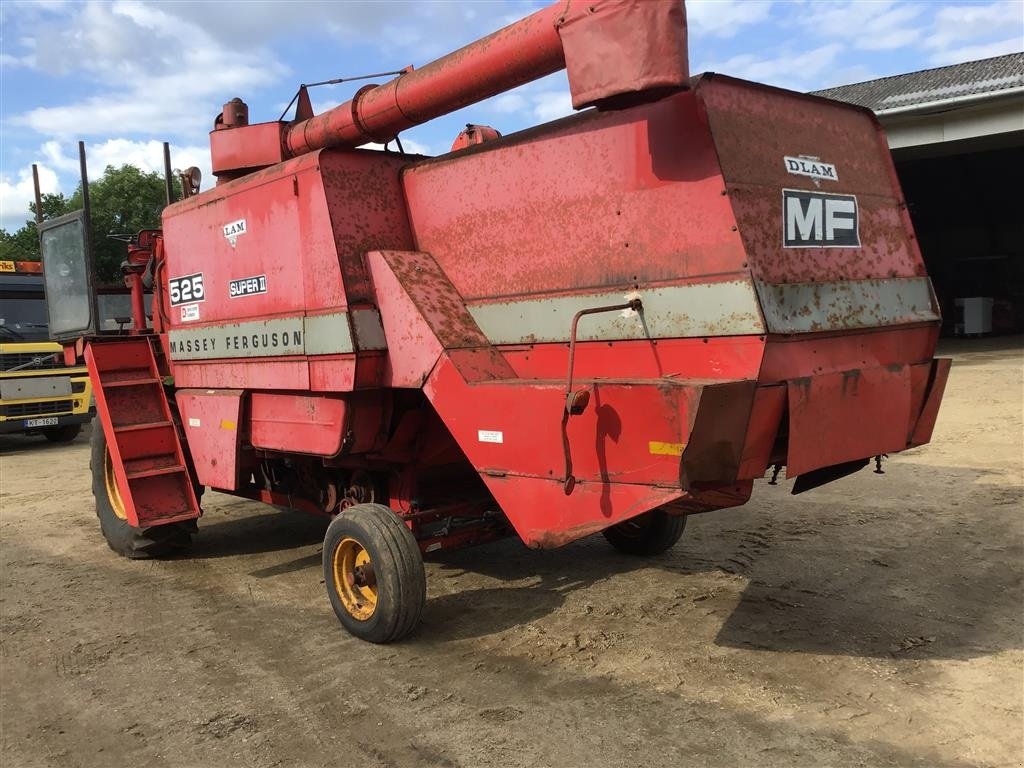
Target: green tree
23, 244
122, 201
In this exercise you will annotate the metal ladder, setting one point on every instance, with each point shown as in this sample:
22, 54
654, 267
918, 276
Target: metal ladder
147, 457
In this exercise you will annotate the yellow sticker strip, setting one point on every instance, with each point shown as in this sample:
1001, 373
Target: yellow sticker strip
658, 448
225, 424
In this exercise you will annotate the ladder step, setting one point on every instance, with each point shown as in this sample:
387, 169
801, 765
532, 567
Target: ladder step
166, 517
130, 382
147, 425
138, 474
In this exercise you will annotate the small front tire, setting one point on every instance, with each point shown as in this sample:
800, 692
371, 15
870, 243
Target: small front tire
374, 573
648, 534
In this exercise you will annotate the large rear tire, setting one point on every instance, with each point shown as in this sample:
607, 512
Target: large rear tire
649, 534
374, 573
64, 434
126, 540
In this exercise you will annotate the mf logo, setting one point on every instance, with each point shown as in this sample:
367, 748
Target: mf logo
819, 220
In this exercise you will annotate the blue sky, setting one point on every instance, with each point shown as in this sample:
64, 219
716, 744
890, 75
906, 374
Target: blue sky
128, 74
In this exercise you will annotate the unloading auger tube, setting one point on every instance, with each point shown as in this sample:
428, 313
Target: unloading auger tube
616, 52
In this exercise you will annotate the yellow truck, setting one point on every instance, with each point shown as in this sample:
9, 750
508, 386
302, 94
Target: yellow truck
39, 394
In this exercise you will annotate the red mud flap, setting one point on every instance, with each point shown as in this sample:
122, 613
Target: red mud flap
928, 384
851, 415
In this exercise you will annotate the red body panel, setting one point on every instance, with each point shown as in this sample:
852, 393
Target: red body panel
297, 423
593, 185
869, 408
210, 422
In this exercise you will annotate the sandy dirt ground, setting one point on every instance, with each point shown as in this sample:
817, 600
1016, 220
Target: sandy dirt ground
874, 622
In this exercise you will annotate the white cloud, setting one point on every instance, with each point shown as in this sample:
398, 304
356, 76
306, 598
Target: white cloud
8, 61
797, 71
411, 146
242, 23
551, 105
418, 148
146, 155
164, 87
540, 101
975, 52
724, 18
59, 171
16, 193
510, 103
397, 27
880, 25
857, 73
967, 23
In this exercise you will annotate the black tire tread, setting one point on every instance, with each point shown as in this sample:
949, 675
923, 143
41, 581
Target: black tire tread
405, 551
403, 542
133, 543
64, 434
660, 533
403, 585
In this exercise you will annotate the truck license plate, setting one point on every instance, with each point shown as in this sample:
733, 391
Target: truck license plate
49, 421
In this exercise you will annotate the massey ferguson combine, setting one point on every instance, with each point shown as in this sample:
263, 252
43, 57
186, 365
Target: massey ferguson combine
601, 324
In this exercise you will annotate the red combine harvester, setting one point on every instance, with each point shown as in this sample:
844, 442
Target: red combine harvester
600, 324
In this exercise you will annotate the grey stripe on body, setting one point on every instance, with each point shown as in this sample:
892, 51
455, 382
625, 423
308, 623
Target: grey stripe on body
846, 304
698, 309
275, 337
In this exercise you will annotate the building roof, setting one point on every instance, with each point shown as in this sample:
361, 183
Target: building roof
935, 87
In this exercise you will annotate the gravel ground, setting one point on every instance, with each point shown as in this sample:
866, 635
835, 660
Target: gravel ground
876, 621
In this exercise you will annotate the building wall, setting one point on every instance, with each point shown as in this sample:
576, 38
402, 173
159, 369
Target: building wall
955, 123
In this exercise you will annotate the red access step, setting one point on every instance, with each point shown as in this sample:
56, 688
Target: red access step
149, 463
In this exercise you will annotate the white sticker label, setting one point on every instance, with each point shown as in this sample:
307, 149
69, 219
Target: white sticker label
247, 286
189, 312
490, 436
234, 230
812, 167
194, 422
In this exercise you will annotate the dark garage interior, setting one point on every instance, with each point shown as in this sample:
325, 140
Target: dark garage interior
969, 217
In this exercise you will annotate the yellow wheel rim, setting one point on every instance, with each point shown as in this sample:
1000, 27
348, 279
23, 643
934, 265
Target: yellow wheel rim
113, 493
354, 579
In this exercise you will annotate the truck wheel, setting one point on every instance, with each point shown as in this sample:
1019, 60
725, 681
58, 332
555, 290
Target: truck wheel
64, 434
134, 543
648, 534
374, 573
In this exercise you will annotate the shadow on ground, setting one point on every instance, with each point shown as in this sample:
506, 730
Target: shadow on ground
820, 579
14, 444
